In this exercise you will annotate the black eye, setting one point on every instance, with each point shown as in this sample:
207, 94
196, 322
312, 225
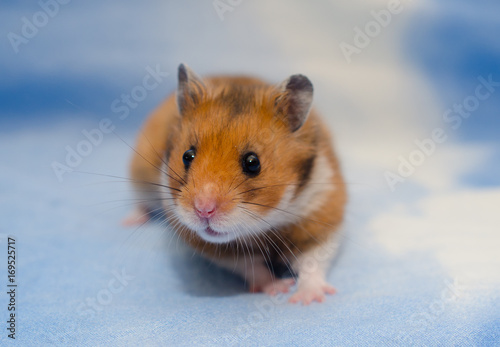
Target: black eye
188, 157
251, 164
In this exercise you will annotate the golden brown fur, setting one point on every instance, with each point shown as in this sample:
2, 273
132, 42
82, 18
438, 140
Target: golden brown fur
224, 118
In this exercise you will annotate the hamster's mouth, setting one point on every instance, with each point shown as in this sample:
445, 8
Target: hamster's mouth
212, 232
210, 235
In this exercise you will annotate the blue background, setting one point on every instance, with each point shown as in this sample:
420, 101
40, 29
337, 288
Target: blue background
69, 239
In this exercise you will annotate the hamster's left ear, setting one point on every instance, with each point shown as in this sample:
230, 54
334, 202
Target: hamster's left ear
295, 100
190, 88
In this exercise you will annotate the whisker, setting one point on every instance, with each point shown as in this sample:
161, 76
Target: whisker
259, 242
129, 180
138, 200
297, 184
334, 227
288, 212
229, 189
127, 190
276, 234
162, 159
133, 233
312, 236
169, 223
279, 185
243, 181
139, 154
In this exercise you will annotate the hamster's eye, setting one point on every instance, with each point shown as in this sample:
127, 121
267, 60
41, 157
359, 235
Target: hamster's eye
251, 164
188, 157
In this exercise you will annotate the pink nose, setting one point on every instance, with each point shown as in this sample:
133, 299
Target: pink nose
205, 208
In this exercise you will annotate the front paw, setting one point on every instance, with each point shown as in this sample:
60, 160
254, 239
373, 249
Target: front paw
137, 217
309, 292
274, 286
281, 285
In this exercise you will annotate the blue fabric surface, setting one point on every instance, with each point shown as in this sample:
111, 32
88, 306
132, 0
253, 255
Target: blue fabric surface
418, 265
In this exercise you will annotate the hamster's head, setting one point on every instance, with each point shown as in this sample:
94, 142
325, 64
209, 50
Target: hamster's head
240, 155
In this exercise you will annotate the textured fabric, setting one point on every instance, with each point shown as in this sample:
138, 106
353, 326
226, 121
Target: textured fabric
418, 265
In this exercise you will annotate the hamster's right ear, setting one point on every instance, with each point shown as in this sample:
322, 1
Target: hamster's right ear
295, 100
190, 88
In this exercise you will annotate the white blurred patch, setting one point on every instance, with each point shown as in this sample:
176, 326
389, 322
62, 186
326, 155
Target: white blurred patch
443, 170
462, 229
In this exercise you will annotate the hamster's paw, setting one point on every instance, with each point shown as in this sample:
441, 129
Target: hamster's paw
276, 286
137, 217
310, 292
263, 282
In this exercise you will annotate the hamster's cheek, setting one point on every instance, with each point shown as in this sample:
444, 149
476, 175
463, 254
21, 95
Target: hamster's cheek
229, 221
188, 218
240, 224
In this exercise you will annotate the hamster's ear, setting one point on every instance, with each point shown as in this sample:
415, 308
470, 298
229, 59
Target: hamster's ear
190, 88
295, 100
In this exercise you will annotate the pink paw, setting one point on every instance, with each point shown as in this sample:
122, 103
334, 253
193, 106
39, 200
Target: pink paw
278, 286
308, 294
274, 287
137, 217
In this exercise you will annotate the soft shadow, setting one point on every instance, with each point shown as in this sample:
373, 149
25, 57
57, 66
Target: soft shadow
203, 278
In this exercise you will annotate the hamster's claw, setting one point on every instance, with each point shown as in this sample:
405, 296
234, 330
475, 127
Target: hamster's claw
308, 294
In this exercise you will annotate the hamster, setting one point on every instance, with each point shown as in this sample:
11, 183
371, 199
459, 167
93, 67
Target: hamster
246, 173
